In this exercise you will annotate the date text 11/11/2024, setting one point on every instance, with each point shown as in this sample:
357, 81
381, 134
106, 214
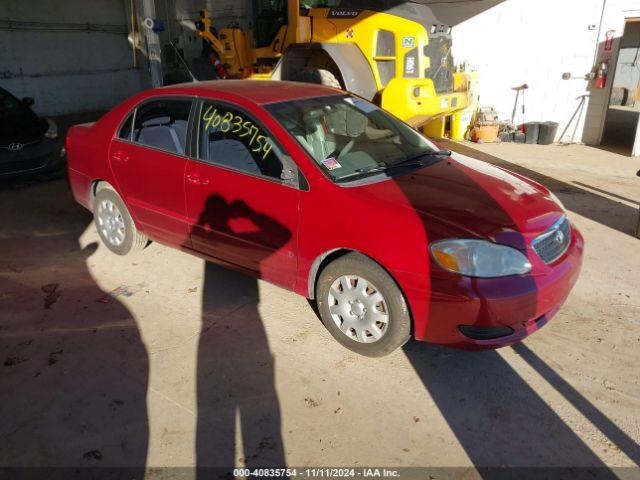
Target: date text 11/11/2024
316, 473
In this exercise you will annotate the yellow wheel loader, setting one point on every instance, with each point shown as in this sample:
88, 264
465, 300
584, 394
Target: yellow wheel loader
393, 52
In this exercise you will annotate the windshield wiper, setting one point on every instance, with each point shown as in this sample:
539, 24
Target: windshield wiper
414, 160
363, 171
407, 162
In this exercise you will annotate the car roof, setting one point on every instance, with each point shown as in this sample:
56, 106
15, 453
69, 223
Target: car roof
258, 91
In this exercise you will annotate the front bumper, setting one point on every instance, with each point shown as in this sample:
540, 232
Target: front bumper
518, 305
42, 157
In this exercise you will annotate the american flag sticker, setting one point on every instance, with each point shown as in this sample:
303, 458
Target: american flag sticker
331, 163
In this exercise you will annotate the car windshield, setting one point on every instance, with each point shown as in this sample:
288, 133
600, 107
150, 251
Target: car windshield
8, 102
350, 138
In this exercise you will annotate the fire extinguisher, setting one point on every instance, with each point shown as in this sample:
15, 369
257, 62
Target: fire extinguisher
601, 76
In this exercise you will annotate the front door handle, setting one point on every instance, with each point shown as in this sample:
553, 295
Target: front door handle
197, 179
120, 157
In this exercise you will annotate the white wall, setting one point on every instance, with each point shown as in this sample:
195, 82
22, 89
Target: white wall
532, 42
47, 53
535, 42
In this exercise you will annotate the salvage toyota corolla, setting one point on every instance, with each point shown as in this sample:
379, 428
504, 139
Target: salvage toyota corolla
325, 194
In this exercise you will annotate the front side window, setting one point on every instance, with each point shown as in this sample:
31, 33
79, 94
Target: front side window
350, 138
162, 124
231, 138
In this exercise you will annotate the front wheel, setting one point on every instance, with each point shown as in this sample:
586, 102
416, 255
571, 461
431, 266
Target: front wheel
362, 306
114, 223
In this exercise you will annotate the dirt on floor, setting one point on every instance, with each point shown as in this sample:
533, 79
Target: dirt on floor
160, 359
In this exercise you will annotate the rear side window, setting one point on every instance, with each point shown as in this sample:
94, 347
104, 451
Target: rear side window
162, 124
231, 138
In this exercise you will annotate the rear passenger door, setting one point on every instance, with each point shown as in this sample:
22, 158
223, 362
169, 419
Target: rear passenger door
148, 160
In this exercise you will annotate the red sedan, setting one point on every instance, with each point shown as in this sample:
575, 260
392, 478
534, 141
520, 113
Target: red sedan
325, 194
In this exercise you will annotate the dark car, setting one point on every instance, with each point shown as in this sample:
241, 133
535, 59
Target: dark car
28, 143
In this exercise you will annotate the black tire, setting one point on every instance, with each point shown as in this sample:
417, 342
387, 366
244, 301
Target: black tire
398, 328
317, 75
133, 239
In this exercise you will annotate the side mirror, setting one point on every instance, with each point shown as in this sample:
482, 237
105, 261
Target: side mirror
28, 101
289, 176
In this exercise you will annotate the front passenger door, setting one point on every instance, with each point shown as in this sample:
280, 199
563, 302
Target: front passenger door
241, 210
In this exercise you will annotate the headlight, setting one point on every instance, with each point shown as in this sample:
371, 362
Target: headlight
555, 198
479, 258
52, 132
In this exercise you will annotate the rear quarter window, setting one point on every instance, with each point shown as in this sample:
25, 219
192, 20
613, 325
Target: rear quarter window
125, 129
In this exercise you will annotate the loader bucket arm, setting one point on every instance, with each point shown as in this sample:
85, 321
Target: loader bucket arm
203, 29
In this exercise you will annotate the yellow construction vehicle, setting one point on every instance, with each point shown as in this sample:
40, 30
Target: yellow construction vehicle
392, 52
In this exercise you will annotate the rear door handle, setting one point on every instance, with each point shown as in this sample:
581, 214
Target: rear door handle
120, 157
197, 179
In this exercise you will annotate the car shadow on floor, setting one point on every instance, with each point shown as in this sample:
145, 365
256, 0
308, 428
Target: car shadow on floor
614, 433
498, 418
610, 194
606, 211
74, 367
238, 407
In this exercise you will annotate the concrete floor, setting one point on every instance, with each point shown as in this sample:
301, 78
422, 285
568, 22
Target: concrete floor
158, 359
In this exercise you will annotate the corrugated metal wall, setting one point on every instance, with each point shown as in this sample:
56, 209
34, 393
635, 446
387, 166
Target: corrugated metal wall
70, 55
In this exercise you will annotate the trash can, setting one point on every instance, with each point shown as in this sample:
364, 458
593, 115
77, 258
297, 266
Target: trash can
548, 131
519, 137
532, 132
506, 136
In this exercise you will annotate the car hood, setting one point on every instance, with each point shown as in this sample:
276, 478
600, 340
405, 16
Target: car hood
467, 198
21, 125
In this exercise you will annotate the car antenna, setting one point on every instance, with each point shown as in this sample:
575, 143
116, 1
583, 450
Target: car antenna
183, 62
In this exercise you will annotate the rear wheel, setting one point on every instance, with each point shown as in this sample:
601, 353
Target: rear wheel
114, 223
362, 307
317, 75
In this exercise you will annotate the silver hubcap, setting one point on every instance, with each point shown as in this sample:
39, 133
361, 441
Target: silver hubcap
358, 309
110, 223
